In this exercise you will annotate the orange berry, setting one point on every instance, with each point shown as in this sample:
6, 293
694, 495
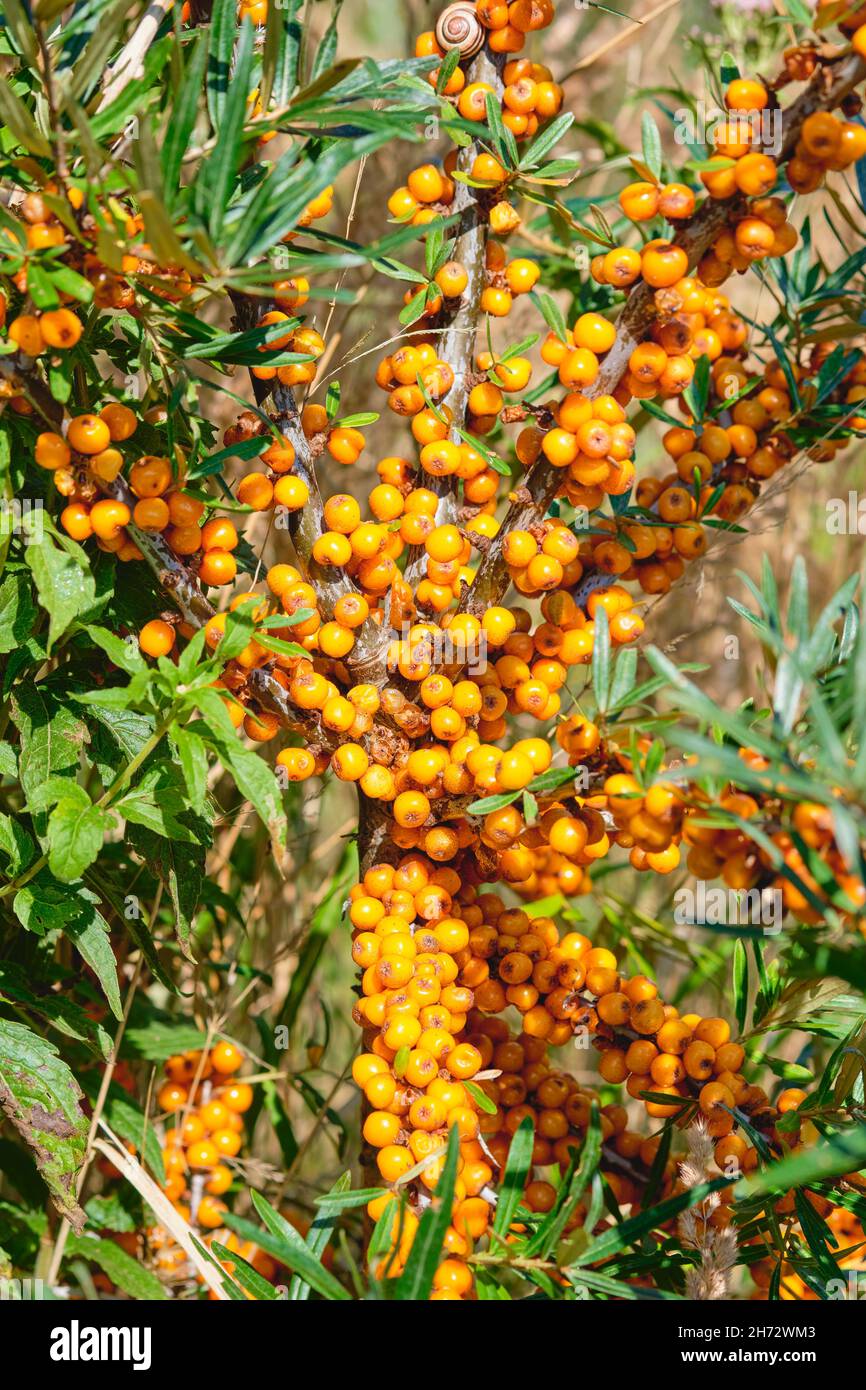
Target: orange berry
75, 520
217, 567
26, 333
663, 264
88, 434
108, 518
639, 201
203, 1154
745, 94
60, 328
156, 638
226, 1058
52, 451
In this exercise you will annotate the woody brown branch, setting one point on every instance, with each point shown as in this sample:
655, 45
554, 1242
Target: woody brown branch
307, 523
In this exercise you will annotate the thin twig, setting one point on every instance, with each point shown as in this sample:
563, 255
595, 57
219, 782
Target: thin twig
99, 1106
621, 37
130, 60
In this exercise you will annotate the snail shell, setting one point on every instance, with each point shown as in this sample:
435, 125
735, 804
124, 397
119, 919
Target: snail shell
458, 26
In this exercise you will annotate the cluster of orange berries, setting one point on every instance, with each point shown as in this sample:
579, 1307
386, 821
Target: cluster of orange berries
440, 960
458, 721
522, 1085
825, 143
654, 822
449, 731
736, 457
34, 334
530, 95
202, 1102
560, 1109
651, 548
207, 1099
590, 440
742, 863
202, 1091
762, 231
366, 553
82, 460
278, 487
85, 460
416, 930
414, 1070
404, 516
49, 330
42, 215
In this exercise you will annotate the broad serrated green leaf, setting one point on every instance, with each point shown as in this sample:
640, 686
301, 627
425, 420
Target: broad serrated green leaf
64, 582
42, 1100
88, 932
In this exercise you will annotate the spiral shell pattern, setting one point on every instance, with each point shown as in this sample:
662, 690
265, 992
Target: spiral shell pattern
458, 26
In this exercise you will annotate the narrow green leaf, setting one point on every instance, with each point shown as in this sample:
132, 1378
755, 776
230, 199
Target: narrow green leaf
651, 145
219, 174
319, 1234
326, 51
183, 114
416, 1281
741, 983
514, 1177
601, 660
223, 28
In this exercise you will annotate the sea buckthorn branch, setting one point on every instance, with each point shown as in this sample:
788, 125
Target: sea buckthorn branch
176, 578
535, 492
678, 1066
833, 80
456, 340
307, 523
201, 1104
830, 84
267, 692
375, 843
182, 588
17, 370
169, 570
305, 527
652, 847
